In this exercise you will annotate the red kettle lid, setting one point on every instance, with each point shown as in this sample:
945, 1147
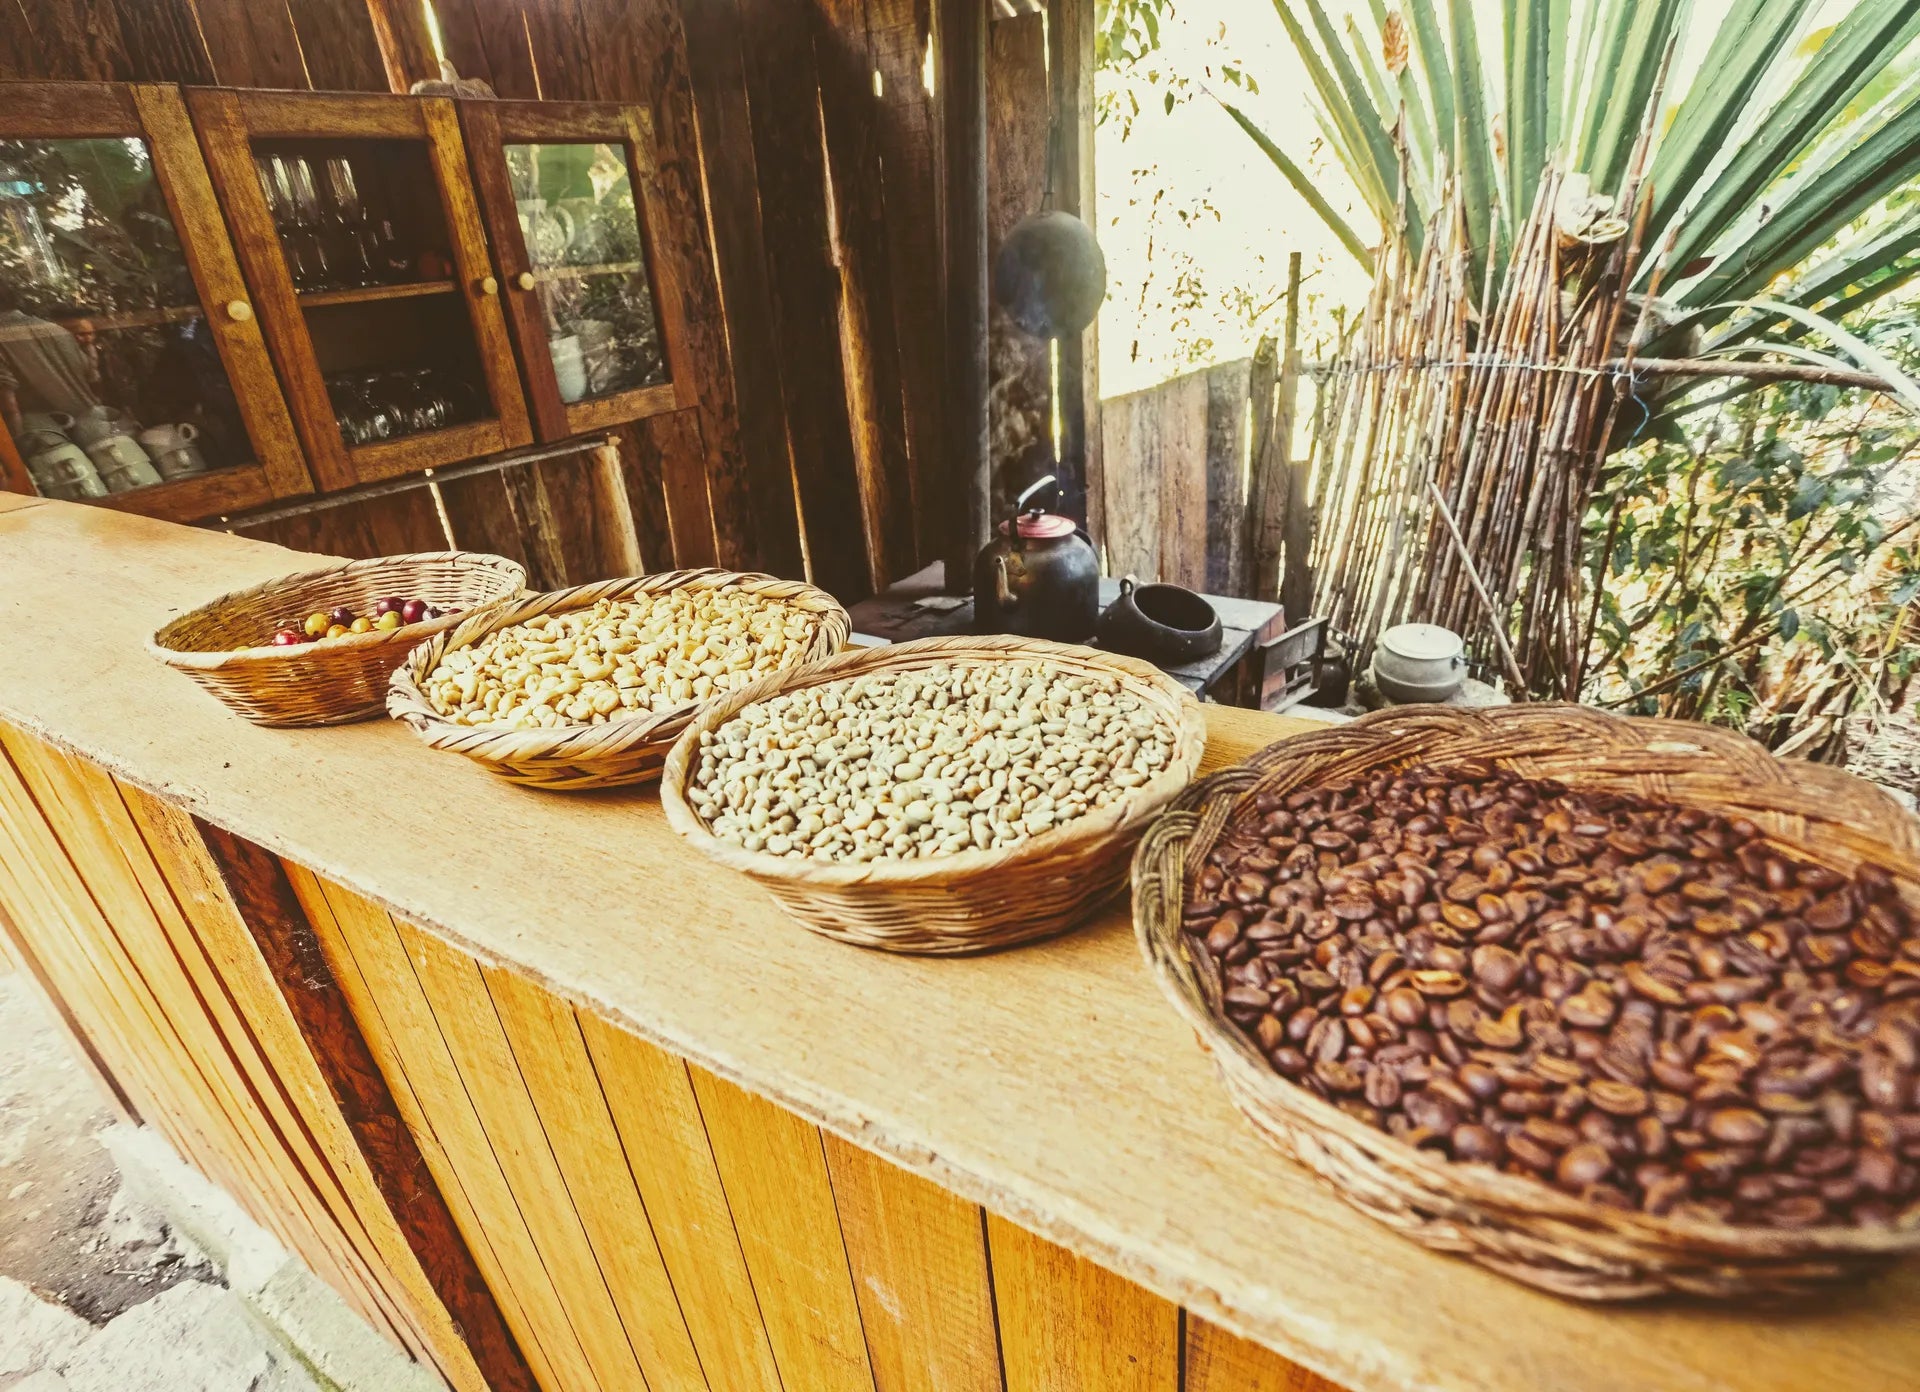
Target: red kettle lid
1043, 524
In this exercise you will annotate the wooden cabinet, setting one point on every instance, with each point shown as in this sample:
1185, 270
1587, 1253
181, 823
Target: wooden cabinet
132, 367
212, 300
355, 219
589, 267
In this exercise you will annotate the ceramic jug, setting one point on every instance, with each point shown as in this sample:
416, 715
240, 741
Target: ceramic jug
65, 471
122, 463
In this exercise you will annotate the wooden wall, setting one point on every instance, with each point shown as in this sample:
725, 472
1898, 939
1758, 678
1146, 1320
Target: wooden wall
517, 1190
800, 135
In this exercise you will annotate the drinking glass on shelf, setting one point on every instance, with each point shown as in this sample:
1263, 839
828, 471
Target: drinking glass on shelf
277, 185
346, 221
306, 217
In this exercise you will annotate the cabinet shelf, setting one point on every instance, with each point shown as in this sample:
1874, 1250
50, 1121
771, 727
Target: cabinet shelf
546, 273
366, 294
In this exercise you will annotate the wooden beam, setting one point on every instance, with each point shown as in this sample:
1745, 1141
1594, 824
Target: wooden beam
266, 901
1070, 65
963, 99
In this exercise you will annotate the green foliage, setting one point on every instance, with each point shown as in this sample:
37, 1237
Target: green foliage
1780, 141
1756, 568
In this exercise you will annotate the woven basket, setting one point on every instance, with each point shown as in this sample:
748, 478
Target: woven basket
572, 757
972, 901
222, 645
1519, 1226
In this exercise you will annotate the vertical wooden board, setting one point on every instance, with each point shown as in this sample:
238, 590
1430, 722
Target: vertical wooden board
1131, 425
1067, 1324
1221, 1362
492, 36
481, 516
641, 53
899, 36
1228, 385
362, 951
1183, 481
851, 117
491, 1080
672, 1164
566, 1094
717, 77
173, 1082
406, 45
664, 462
18, 955
919, 1261
163, 42
251, 45
1019, 367
783, 94
774, 1172
338, 45
1071, 26
73, 39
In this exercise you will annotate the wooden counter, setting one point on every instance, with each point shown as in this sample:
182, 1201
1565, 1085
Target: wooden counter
487, 1054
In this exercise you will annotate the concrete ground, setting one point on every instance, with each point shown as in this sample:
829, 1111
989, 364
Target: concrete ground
99, 1293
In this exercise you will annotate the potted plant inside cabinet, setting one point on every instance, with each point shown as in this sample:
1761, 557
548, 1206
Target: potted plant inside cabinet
132, 368
571, 197
356, 222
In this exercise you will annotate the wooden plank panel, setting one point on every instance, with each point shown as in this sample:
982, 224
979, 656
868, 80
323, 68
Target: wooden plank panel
481, 516
1066, 1323
174, 1085
363, 952
919, 1260
774, 1171
639, 55
558, 1076
851, 117
19, 955
338, 45
717, 78
488, 38
670, 532
511, 1128
783, 94
76, 40
1019, 368
1225, 480
899, 35
431, 1260
1070, 69
1221, 1362
250, 44
162, 40
672, 1164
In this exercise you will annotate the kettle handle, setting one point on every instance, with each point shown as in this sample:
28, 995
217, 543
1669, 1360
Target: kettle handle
1127, 585
1027, 495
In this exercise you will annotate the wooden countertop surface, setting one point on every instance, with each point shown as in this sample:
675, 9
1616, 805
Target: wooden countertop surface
1052, 1083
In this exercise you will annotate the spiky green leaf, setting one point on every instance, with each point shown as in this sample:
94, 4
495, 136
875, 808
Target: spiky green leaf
1528, 81
1473, 140
1629, 87
1432, 48
1863, 353
1304, 186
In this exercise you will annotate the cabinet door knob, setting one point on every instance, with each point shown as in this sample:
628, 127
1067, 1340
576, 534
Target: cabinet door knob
239, 311
524, 280
489, 286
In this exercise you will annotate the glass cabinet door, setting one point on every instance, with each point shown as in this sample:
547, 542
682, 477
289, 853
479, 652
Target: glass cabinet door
357, 218
131, 370
565, 187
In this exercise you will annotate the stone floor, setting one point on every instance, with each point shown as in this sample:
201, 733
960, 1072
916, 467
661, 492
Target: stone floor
96, 1293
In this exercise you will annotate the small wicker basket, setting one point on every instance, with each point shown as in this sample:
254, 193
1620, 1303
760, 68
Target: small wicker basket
973, 901
573, 757
221, 645
1518, 1226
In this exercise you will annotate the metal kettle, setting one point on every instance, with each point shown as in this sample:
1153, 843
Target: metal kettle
1040, 577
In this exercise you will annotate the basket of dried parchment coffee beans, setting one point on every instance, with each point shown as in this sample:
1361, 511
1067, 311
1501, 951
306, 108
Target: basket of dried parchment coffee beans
589, 687
1617, 1007
944, 796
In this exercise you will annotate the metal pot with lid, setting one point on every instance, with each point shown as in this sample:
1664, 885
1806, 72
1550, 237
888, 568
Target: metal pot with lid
1040, 577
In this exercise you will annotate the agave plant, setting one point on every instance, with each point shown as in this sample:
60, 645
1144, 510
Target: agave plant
1781, 142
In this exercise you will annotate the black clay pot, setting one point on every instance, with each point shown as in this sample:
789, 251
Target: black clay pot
1050, 275
1167, 624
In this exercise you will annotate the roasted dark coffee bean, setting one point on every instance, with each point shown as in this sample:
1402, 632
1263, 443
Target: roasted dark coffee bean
1642, 1004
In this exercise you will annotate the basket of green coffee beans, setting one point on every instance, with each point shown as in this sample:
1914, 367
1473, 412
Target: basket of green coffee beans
1621, 1008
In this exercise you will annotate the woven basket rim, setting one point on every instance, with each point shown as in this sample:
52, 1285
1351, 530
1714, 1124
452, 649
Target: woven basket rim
1514, 1197
408, 703
203, 660
1135, 808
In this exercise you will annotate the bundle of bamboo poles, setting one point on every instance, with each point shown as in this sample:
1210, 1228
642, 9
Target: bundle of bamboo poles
1457, 451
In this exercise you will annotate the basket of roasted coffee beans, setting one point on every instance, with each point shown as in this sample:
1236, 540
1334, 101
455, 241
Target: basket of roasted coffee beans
944, 796
1618, 1007
317, 648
